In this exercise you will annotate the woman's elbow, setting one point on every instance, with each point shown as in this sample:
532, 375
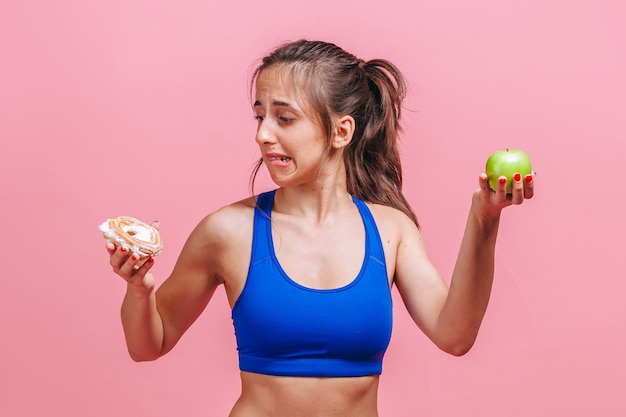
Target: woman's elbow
457, 347
142, 357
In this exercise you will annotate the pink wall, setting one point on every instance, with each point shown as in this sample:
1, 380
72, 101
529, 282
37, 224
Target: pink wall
141, 108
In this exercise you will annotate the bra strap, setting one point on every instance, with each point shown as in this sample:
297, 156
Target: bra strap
262, 226
372, 235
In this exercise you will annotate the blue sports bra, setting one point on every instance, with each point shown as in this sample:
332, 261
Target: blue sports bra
283, 328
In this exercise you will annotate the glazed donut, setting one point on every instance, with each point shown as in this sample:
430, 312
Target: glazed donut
139, 237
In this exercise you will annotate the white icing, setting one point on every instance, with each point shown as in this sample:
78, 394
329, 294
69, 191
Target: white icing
140, 233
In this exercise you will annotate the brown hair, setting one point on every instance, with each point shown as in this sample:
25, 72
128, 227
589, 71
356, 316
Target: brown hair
335, 83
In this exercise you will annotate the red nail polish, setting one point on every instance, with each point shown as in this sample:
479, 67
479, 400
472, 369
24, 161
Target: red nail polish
517, 177
134, 257
123, 249
528, 178
151, 259
502, 180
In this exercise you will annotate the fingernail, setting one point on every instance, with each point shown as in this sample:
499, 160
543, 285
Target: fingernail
151, 260
123, 249
517, 177
528, 178
502, 180
134, 257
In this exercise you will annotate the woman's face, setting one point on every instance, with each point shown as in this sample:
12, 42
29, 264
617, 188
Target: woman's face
291, 142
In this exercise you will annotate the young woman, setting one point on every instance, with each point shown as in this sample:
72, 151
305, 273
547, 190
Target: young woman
308, 268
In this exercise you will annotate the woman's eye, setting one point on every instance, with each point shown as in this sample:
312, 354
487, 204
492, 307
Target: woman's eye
259, 118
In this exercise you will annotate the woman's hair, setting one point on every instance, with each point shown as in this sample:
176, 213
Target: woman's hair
336, 83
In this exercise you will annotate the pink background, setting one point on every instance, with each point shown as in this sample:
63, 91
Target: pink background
141, 108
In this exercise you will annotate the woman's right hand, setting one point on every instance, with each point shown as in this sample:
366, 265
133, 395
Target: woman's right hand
129, 266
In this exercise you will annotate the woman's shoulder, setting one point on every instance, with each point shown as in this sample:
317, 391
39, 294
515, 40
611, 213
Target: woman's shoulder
389, 215
230, 219
221, 240
226, 225
392, 223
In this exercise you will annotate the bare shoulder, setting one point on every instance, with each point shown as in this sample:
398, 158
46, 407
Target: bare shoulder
223, 240
391, 221
216, 252
397, 232
228, 222
219, 234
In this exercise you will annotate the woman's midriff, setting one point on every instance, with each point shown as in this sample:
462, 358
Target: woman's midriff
278, 396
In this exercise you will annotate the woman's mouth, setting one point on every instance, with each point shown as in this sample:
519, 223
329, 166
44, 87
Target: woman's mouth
276, 158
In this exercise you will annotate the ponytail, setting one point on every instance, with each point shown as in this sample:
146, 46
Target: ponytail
373, 166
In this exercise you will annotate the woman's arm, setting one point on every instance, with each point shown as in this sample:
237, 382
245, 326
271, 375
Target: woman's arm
141, 322
154, 320
451, 317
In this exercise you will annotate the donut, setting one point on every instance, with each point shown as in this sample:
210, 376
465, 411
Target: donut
139, 237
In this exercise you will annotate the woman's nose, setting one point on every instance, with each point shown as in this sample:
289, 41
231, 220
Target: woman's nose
264, 134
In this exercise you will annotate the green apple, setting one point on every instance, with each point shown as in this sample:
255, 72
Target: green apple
507, 163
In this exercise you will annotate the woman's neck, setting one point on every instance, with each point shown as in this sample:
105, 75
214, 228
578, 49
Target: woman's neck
314, 202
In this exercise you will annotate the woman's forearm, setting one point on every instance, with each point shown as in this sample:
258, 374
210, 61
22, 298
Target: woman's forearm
470, 287
142, 325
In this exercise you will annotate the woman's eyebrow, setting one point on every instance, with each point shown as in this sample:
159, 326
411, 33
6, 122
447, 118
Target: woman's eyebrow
278, 103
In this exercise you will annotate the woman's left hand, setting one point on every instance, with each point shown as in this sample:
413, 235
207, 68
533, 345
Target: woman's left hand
489, 203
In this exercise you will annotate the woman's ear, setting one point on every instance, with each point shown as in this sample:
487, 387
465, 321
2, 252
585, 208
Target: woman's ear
342, 135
